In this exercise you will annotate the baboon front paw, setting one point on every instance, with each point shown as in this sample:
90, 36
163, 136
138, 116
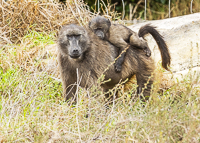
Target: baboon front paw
148, 52
118, 68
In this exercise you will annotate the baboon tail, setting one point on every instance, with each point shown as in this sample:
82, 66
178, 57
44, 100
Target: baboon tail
166, 59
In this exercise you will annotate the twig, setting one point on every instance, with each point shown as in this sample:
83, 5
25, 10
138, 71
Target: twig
98, 5
115, 60
105, 6
145, 10
77, 104
170, 12
136, 6
123, 10
78, 10
191, 6
169, 8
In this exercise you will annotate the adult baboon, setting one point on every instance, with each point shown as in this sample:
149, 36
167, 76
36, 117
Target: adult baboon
81, 49
119, 35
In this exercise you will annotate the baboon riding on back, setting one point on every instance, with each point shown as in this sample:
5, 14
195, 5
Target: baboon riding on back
80, 50
119, 35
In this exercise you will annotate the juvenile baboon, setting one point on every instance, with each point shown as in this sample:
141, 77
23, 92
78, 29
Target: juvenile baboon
81, 50
119, 35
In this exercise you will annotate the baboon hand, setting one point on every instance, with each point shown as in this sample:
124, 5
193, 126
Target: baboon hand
118, 67
147, 51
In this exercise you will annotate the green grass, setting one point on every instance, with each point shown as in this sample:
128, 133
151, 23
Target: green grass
39, 38
32, 108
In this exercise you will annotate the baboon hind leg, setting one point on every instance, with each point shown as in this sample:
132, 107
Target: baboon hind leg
140, 43
144, 82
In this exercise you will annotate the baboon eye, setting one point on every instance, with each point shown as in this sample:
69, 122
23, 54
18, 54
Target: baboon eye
98, 29
69, 37
77, 36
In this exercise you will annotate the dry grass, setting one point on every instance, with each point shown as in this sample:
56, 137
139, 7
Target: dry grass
156, 10
18, 18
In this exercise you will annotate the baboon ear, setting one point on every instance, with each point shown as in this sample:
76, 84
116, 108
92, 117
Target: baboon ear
109, 23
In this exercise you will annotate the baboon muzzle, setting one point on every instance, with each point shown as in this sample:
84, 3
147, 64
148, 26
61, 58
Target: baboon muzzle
75, 50
100, 34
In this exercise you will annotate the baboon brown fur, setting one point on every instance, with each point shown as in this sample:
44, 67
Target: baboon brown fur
81, 50
119, 35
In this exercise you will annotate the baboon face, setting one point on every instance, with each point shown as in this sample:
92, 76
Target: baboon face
100, 26
73, 41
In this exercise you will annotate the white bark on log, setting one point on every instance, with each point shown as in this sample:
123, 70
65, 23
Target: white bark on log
182, 35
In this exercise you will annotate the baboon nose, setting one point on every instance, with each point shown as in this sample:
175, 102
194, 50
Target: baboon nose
75, 52
100, 36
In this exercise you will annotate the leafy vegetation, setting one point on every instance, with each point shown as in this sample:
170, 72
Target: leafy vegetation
156, 9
